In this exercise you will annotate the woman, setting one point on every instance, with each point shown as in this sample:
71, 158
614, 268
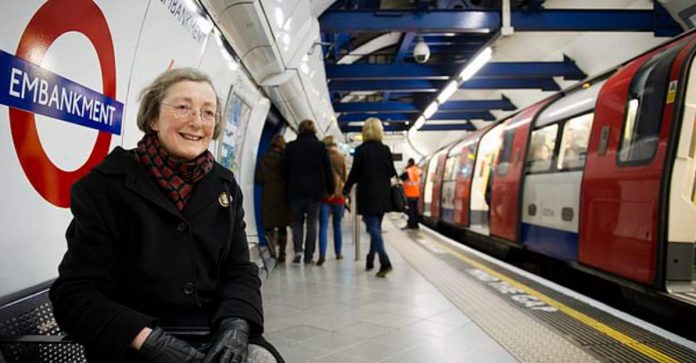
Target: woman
158, 242
275, 206
373, 167
333, 205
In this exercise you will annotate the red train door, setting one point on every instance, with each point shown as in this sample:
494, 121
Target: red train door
505, 193
464, 172
437, 184
620, 198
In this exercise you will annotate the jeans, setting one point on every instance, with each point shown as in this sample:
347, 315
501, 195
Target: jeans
373, 222
412, 213
326, 210
300, 208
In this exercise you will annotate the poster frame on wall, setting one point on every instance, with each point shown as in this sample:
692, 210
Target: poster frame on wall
235, 122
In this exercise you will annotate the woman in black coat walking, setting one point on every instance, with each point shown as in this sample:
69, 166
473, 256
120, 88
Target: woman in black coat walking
158, 242
373, 168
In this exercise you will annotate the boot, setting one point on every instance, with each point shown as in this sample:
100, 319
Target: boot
282, 243
271, 237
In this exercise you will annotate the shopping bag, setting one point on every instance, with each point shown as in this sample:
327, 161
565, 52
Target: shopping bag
398, 198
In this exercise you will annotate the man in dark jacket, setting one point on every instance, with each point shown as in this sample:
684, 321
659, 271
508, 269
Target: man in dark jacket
308, 169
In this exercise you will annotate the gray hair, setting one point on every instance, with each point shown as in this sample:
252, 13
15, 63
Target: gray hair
151, 96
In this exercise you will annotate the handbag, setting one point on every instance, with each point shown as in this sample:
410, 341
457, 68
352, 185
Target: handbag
398, 198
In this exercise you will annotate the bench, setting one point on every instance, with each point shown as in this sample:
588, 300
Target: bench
29, 333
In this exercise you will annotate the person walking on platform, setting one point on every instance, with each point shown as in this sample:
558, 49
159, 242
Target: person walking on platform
333, 205
372, 170
275, 206
412, 191
308, 169
158, 243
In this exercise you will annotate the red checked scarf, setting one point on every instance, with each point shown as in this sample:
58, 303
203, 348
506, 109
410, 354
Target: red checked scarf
176, 177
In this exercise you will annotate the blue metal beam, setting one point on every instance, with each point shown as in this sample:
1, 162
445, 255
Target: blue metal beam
364, 71
393, 117
404, 48
545, 84
383, 107
403, 107
433, 127
448, 127
480, 115
470, 20
477, 105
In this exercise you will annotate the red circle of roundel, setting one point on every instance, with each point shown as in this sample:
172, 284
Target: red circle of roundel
53, 19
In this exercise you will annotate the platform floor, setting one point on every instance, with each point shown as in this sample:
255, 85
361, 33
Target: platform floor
436, 306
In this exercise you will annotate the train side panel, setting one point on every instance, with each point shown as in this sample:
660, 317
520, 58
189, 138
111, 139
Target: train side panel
622, 180
505, 196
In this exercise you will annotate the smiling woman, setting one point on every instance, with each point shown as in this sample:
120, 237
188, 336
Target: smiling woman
163, 247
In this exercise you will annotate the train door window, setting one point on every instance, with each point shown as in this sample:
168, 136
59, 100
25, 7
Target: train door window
466, 167
506, 152
543, 143
573, 151
450, 167
646, 99
429, 179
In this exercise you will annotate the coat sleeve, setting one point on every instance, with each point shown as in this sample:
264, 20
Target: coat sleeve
393, 172
329, 182
80, 296
354, 172
239, 286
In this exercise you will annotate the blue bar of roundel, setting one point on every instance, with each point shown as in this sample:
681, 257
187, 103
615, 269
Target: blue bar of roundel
9, 61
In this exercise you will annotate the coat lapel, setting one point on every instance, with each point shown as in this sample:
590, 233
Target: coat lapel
207, 192
137, 180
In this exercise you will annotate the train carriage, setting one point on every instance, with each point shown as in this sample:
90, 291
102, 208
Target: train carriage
603, 174
643, 122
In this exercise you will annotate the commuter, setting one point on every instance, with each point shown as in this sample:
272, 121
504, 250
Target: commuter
333, 205
373, 167
412, 191
308, 169
158, 242
275, 206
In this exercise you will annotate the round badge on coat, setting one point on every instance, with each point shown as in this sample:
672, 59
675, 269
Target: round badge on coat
224, 199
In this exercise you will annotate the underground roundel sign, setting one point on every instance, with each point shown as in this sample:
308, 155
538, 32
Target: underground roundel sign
35, 90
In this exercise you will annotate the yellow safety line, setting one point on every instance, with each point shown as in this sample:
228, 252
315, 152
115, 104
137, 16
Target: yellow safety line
597, 325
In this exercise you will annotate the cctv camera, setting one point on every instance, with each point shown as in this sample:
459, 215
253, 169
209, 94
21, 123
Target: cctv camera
421, 52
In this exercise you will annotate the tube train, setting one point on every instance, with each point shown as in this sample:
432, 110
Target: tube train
601, 176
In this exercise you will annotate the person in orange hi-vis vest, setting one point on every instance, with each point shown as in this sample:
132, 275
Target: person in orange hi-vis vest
412, 191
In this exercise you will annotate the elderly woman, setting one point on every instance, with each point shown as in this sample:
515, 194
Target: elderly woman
373, 167
158, 242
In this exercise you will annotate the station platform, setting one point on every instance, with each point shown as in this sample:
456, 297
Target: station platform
445, 302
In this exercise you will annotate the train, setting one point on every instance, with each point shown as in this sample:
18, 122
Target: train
600, 177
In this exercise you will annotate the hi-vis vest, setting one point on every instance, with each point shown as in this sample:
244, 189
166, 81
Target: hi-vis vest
411, 188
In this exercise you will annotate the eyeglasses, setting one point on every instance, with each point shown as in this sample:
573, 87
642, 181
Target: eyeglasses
186, 111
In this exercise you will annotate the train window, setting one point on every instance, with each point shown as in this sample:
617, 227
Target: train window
646, 99
576, 133
449, 168
541, 149
506, 152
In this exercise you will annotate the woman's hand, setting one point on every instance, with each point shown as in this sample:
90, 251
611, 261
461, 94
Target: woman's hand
160, 347
231, 342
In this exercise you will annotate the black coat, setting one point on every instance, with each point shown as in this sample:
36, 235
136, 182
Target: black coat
134, 260
373, 167
275, 206
308, 168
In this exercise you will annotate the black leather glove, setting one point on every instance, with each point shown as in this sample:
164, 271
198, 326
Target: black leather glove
231, 342
160, 347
